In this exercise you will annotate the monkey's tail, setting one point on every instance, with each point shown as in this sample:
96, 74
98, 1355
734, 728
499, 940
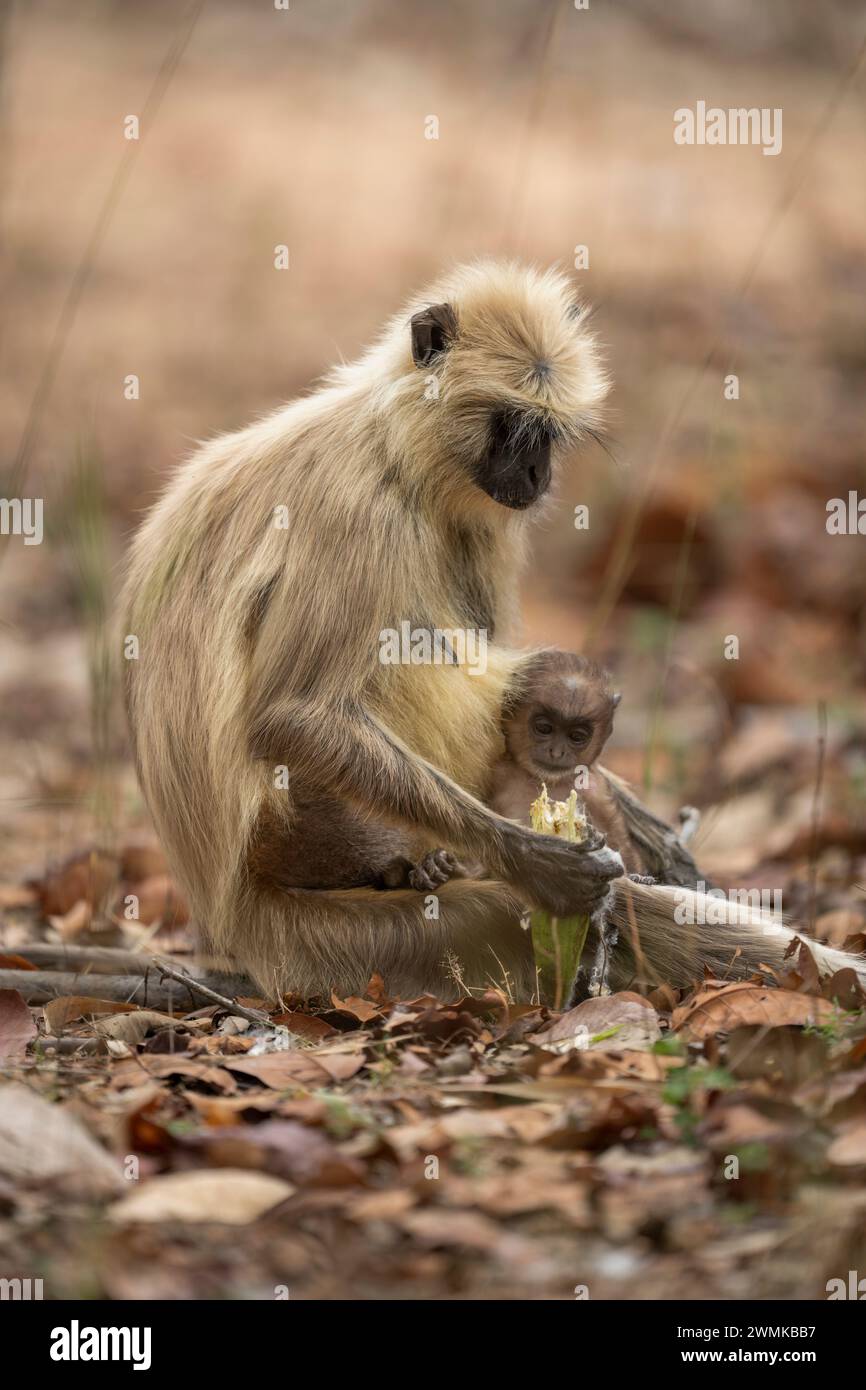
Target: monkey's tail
668, 935
466, 936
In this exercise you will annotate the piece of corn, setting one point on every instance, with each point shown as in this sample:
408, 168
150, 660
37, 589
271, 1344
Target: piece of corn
560, 818
557, 942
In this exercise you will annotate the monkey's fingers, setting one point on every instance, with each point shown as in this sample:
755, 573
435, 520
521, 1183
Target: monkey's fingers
564, 879
434, 869
594, 862
456, 868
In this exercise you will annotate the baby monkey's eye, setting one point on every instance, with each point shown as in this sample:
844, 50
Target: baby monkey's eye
542, 726
580, 733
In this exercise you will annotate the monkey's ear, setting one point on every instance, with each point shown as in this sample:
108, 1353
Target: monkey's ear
615, 698
433, 330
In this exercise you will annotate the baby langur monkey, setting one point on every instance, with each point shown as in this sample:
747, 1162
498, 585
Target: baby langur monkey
555, 728
555, 725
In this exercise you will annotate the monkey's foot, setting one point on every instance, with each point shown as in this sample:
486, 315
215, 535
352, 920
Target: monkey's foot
646, 879
433, 870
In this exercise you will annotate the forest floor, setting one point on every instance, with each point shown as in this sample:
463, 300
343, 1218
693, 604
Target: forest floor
706, 1144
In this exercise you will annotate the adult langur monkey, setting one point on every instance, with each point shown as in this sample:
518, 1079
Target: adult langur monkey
284, 762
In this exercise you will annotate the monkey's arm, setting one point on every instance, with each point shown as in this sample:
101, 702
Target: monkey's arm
350, 754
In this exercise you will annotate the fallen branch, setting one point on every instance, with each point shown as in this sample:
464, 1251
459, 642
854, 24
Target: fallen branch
205, 992
111, 960
69, 1047
41, 986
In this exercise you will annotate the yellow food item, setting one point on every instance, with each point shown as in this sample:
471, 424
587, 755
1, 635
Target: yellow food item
560, 818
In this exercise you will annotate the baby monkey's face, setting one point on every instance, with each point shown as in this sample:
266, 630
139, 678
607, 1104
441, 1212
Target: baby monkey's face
563, 724
556, 742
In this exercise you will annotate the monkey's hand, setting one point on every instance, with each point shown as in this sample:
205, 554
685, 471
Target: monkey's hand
435, 869
593, 839
564, 879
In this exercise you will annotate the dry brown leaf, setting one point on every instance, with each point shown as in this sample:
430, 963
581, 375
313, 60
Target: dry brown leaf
282, 1070
141, 861
629, 1021
59, 1013
517, 1193
188, 1069
17, 895
340, 1066
160, 900
306, 1025
17, 1028
287, 1148
223, 1111
9, 961
87, 877
838, 1096
670, 1161
361, 1009
849, 1148
732, 1125
845, 988
72, 923
387, 1205
721, 1008
376, 990
839, 926
435, 1226
42, 1143
219, 1045
776, 1055
227, 1196
133, 1027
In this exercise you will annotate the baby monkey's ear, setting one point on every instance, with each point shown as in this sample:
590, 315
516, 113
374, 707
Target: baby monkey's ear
433, 331
615, 698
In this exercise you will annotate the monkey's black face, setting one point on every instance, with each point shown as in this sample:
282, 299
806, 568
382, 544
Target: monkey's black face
516, 469
556, 744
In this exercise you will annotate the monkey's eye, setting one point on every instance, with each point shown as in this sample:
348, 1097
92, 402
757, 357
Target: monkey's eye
542, 726
580, 733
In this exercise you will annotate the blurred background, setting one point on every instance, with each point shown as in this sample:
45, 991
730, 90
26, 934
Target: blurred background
305, 127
